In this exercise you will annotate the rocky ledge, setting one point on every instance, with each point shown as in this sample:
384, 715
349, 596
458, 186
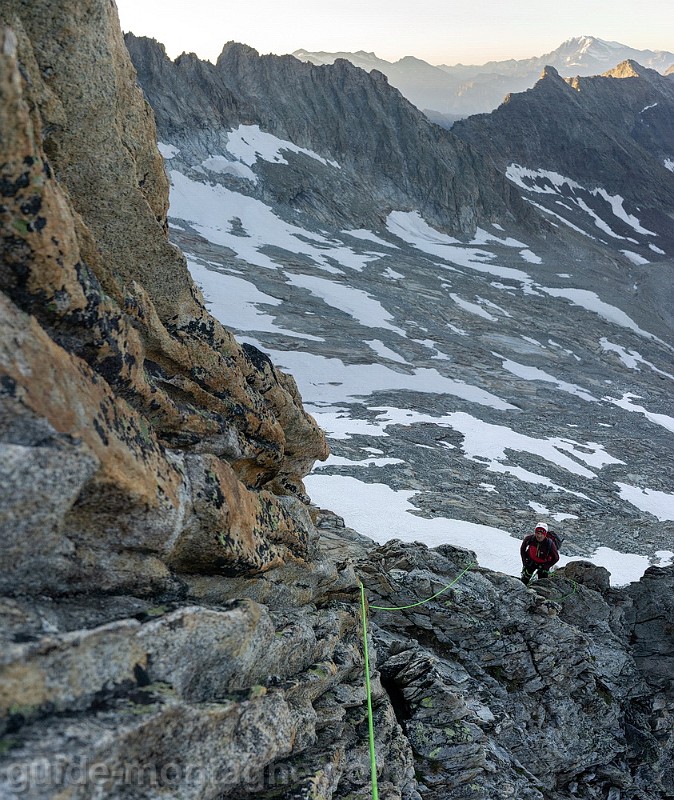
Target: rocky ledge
254, 687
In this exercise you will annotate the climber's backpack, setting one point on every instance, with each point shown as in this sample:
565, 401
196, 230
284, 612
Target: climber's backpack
557, 539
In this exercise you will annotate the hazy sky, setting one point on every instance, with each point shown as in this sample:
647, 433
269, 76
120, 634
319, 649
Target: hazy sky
438, 31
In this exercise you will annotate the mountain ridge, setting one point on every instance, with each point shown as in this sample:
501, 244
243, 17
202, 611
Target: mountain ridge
464, 90
612, 131
329, 109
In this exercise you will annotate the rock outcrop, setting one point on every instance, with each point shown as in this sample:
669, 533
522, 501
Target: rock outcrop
175, 619
130, 396
504, 692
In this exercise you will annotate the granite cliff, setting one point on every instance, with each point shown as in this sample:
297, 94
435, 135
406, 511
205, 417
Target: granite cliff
613, 131
177, 619
389, 154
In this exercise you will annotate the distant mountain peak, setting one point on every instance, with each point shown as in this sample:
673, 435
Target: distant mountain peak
550, 72
585, 44
458, 91
411, 60
626, 69
361, 58
237, 48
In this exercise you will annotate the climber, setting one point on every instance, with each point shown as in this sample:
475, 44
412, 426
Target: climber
539, 552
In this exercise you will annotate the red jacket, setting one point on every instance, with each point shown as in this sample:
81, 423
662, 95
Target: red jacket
540, 553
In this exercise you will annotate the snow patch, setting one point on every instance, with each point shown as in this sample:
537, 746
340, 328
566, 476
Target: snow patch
625, 402
384, 352
472, 308
484, 237
329, 381
248, 143
233, 301
488, 444
530, 257
545, 210
247, 225
168, 151
543, 181
536, 374
630, 358
355, 302
360, 233
659, 504
339, 461
413, 229
635, 258
591, 302
225, 166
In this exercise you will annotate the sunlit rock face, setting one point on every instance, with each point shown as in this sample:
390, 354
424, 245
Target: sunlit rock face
119, 372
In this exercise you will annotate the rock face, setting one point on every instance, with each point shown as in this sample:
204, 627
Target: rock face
175, 619
388, 152
490, 690
111, 364
612, 132
507, 692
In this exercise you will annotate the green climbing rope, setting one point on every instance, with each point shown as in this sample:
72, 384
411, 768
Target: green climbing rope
368, 688
368, 691
428, 599
564, 596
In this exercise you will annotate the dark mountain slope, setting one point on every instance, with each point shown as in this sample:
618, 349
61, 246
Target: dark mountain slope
612, 132
388, 151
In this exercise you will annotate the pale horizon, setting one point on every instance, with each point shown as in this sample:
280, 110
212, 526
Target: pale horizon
432, 30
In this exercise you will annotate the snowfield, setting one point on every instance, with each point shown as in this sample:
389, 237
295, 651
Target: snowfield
278, 282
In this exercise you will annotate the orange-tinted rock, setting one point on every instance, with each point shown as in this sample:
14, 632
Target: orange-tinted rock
136, 433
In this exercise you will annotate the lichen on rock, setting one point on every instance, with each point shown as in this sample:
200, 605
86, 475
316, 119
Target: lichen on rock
117, 318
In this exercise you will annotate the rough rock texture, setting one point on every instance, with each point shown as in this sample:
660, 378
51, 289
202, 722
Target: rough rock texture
174, 621
612, 131
389, 153
492, 690
108, 355
505, 692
